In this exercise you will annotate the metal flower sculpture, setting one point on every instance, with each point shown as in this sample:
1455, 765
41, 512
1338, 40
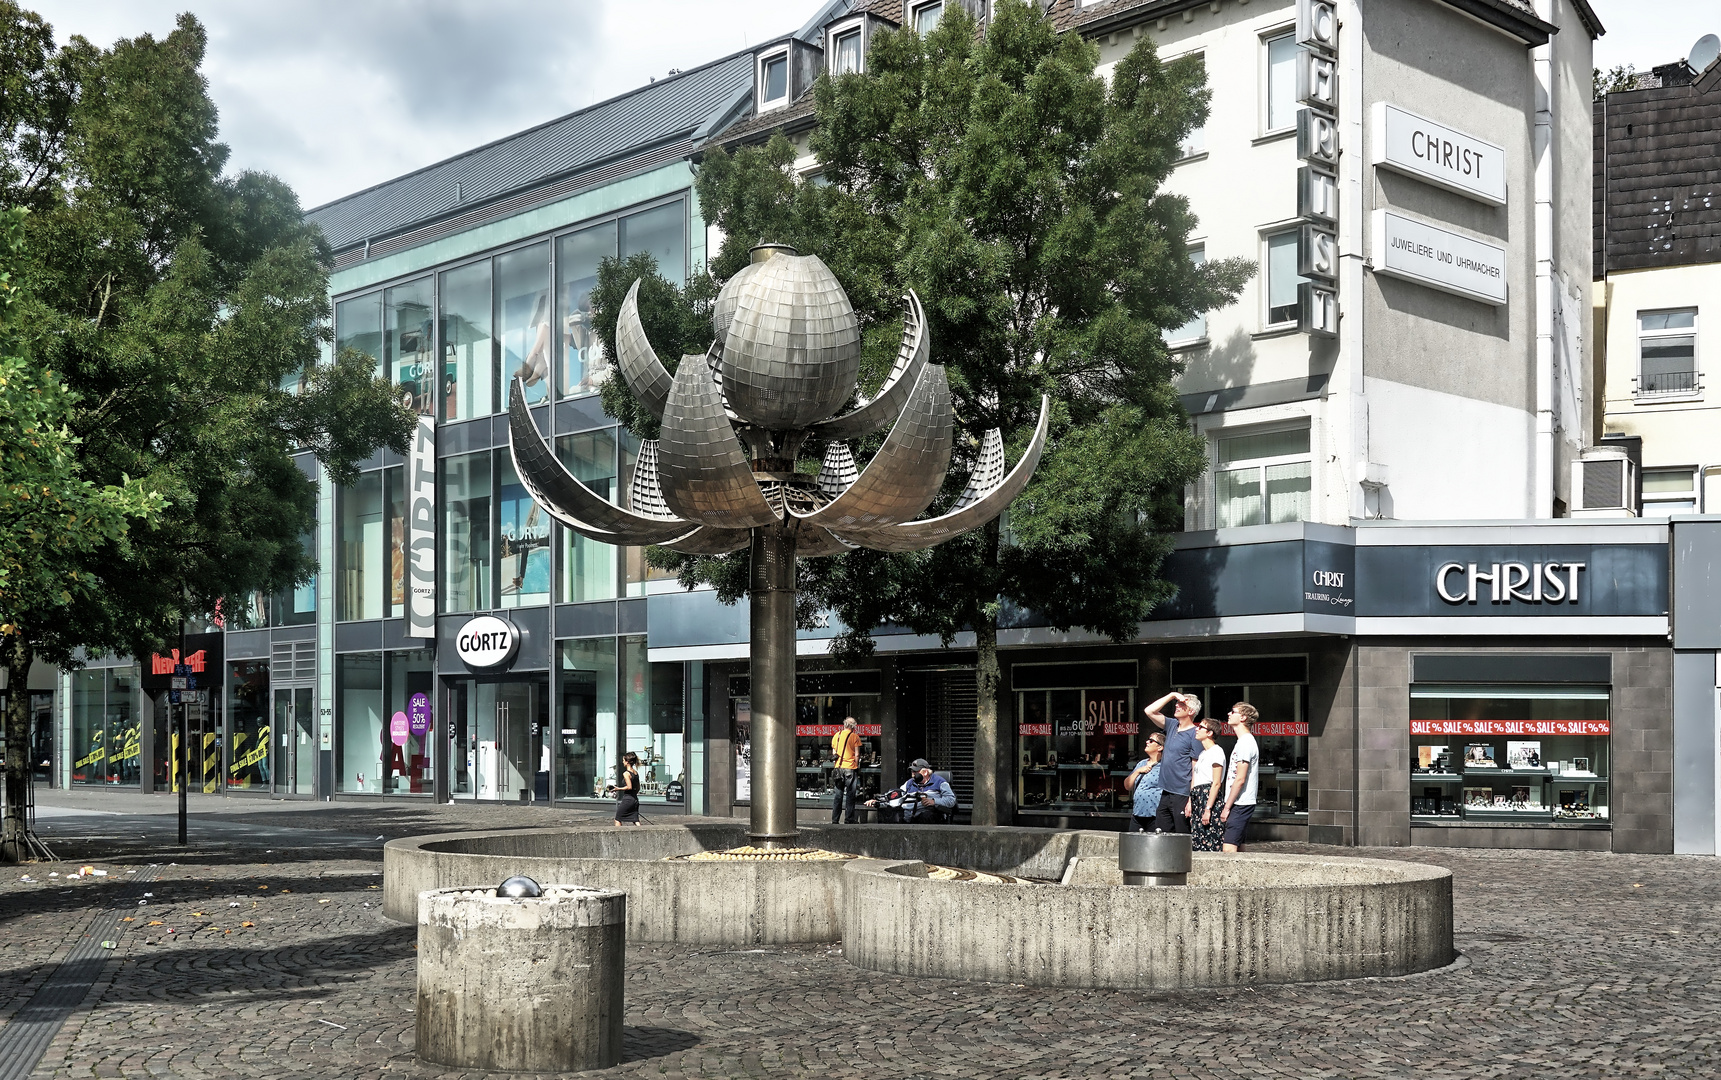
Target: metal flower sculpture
723, 477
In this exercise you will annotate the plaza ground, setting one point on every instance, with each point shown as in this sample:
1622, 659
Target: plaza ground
262, 952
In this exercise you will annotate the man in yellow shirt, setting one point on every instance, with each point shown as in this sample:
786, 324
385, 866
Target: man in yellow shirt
845, 778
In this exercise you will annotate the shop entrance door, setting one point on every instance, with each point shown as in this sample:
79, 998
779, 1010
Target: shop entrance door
497, 739
295, 741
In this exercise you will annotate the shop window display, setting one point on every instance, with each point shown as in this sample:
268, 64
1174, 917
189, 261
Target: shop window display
1505, 754
584, 365
522, 321
817, 719
522, 542
1076, 748
89, 728
362, 591
465, 554
251, 764
408, 701
359, 722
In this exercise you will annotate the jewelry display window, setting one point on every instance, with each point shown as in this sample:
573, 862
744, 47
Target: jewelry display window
1500, 754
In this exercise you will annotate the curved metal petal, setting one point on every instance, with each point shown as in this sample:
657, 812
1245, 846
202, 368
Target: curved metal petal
567, 500
700, 463
904, 476
813, 542
914, 535
709, 541
838, 471
645, 494
988, 471
893, 395
645, 374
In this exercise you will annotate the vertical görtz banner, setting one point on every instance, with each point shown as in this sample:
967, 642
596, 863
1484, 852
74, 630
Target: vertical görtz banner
421, 531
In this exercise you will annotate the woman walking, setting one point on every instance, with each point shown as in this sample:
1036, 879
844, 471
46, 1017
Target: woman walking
627, 792
1207, 781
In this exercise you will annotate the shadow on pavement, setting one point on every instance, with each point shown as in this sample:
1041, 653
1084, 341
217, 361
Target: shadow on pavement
645, 1043
87, 897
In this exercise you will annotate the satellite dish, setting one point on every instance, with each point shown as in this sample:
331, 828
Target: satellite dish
1703, 53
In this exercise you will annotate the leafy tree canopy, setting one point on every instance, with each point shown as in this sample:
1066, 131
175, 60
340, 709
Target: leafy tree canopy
184, 311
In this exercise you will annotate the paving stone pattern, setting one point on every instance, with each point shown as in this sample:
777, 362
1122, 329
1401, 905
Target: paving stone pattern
1575, 965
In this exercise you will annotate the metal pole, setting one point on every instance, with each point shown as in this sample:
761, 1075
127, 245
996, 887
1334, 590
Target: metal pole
182, 753
771, 609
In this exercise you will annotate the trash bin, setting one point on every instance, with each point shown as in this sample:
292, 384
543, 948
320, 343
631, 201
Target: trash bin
1154, 858
521, 984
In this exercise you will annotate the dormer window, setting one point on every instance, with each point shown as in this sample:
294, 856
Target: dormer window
846, 53
773, 80
926, 16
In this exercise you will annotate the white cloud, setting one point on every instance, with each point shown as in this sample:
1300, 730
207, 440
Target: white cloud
334, 96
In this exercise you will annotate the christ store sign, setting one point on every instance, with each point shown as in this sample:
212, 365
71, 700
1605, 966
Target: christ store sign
1317, 180
1438, 155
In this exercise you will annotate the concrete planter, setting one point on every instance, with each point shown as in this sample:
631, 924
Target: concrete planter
521, 985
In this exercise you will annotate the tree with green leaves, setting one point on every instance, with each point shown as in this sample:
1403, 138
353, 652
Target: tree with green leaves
184, 311
1021, 197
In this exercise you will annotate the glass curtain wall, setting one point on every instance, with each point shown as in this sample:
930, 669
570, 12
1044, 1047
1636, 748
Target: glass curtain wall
588, 566
394, 490
522, 321
89, 728
584, 365
466, 533
523, 541
661, 231
407, 344
586, 718
468, 376
296, 605
358, 325
251, 764
361, 592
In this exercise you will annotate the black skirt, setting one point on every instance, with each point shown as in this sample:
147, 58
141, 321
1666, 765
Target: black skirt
627, 808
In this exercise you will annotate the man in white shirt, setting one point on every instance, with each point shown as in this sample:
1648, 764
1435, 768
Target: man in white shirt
1240, 780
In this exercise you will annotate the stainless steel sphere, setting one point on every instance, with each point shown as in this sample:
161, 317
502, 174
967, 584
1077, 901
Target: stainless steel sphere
791, 353
517, 887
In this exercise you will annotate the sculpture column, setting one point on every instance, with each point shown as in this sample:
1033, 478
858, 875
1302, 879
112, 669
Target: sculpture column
771, 604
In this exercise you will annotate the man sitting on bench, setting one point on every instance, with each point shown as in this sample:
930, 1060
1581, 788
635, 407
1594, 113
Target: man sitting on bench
929, 797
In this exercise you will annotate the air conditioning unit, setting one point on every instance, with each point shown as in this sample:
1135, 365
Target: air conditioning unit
1604, 484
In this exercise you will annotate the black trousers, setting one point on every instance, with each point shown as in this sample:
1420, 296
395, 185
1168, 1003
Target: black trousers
1171, 817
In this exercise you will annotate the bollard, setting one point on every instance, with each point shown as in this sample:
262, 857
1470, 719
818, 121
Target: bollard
1154, 858
521, 984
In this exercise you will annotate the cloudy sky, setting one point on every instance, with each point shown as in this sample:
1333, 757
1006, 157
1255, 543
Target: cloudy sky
337, 95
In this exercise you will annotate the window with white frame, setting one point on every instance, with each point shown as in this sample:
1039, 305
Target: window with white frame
846, 53
1667, 352
773, 80
1282, 278
926, 16
1279, 85
1196, 141
1195, 329
1669, 491
1261, 478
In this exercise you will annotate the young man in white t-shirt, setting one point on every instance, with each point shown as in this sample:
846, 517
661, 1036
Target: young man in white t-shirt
1241, 778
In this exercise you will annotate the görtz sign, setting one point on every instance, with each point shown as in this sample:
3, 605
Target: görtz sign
1438, 155
1439, 258
487, 642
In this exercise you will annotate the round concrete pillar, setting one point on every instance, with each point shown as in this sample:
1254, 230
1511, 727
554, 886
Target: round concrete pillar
532, 984
1154, 858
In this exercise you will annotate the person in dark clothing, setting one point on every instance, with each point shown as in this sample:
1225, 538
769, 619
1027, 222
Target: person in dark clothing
1181, 750
627, 792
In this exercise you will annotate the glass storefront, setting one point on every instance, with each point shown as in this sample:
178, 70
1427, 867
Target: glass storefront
522, 541
1282, 732
106, 740
586, 717
407, 344
383, 722
499, 738
1500, 754
522, 321
465, 556
1077, 746
248, 724
468, 383
584, 365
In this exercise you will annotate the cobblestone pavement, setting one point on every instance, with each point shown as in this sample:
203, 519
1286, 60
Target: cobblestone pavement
263, 952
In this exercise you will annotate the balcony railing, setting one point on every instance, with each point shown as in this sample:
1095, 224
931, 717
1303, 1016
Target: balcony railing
1668, 382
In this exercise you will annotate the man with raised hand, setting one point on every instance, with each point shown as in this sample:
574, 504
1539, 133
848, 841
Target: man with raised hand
1181, 750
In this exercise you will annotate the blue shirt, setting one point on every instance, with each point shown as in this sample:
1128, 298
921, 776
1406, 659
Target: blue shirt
1181, 750
1147, 791
937, 787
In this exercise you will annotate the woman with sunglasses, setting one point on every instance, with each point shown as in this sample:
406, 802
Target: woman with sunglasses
1207, 778
1143, 786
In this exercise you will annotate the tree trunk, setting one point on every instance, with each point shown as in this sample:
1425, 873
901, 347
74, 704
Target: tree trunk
988, 740
15, 825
